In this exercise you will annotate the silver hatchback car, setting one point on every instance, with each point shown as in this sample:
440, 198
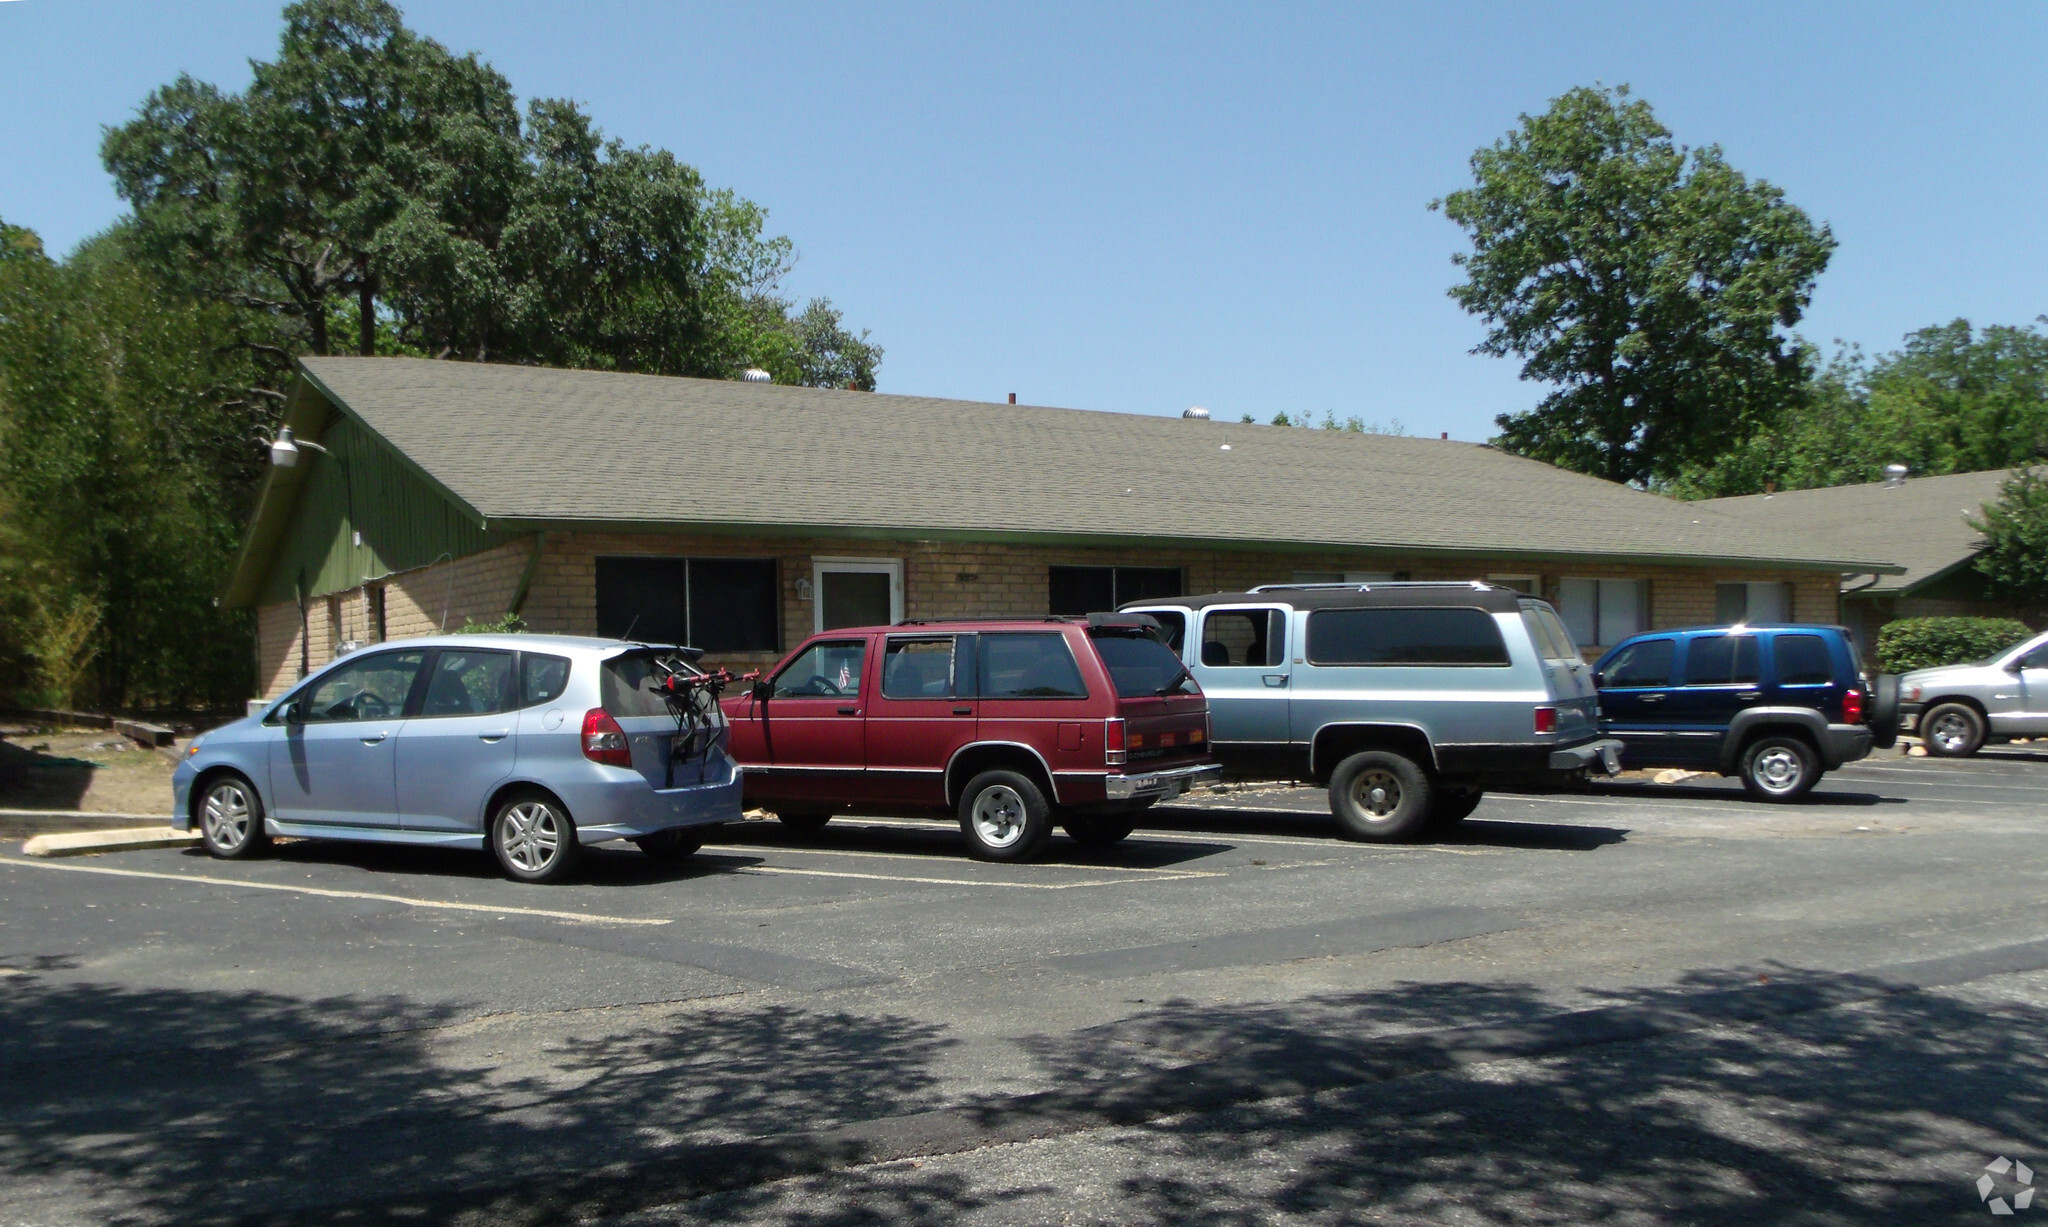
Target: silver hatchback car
530, 745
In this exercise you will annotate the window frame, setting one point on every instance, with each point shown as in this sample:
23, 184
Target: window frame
981, 672
863, 642
822, 564
1117, 597
686, 563
1276, 616
1506, 660
416, 706
958, 682
1600, 639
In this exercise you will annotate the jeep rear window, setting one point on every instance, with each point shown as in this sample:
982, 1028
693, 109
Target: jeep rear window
1405, 637
1803, 660
1140, 666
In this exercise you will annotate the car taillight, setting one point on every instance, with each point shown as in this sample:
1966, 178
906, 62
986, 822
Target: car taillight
1546, 719
1113, 740
1852, 707
604, 741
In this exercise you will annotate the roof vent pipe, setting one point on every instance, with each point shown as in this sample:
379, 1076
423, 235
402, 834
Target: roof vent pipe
1894, 476
1013, 398
755, 374
1198, 413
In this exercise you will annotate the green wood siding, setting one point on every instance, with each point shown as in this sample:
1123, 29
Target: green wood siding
405, 522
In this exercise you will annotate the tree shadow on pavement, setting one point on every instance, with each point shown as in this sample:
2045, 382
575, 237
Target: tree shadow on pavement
145, 1106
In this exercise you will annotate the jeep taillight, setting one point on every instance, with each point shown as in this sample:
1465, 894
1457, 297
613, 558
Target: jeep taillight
604, 741
1113, 741
1852, 707
1546, 719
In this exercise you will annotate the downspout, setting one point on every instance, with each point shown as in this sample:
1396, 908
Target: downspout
540, 542
305, 629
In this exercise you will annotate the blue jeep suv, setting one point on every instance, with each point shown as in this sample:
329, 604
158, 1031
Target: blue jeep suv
1775, 706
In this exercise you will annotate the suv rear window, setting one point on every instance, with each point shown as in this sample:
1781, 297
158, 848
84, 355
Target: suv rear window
1803, 660
1405, 637
1140, 666
1721, 660
1025, 665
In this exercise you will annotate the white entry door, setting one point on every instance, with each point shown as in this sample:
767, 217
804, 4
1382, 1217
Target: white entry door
856, 592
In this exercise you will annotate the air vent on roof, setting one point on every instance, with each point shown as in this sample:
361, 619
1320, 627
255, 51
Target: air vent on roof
1895, 476
1197, 412
755, 374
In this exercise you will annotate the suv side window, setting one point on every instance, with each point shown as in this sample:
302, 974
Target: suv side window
1646, 662
1405, 637
919, 669
542, 678
1028, 665
1803, 660
1721, 660
1245, 638
372, 688
469, 683
825, 670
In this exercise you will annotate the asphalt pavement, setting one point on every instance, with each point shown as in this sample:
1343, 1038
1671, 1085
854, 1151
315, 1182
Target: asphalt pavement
1636, 1004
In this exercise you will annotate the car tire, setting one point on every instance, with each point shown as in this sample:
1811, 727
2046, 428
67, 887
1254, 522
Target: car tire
1380, 797
1779, 767
674, 844
1884, 711
534, 838
803, 822
230, 817
1004, 816
1101, 831
1952, 730
1455, 805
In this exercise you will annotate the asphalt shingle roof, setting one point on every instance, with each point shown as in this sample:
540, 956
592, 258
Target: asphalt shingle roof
1921, 525
540, 446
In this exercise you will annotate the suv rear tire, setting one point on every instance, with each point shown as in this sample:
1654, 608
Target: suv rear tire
1779, 767
1455, 805
1103, 831
1004, 817
1380, 797
1952, 730
803, 822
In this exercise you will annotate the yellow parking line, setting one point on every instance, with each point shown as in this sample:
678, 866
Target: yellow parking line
324, 893
891, 877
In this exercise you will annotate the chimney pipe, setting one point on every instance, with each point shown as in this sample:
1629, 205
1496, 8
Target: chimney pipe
1444, 435
1013, 398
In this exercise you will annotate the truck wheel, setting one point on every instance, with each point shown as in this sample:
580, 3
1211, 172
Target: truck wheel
674, 844
1380, 797
1105, 831
1884, 711
803, 822
1455, 805
231, 819
1779, 767
1952, 730
1004, 817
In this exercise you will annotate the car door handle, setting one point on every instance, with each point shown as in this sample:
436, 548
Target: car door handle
963, 711
1749, 695
1651, 698
1276, 679
849, 711
494, 735
374, 738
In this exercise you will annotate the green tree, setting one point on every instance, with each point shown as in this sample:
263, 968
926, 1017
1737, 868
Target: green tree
2014, 560
1650, 283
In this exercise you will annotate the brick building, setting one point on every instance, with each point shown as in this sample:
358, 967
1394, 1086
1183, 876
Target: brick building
741, 517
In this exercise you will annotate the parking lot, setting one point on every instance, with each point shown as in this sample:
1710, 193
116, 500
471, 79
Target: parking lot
1641, 1003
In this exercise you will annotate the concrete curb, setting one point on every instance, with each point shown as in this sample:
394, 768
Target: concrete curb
85, 843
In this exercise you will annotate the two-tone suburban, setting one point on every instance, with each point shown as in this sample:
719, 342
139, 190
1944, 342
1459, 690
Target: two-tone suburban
1407, 700
1011, 725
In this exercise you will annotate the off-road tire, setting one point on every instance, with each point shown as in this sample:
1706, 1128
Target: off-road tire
1952, 730
674, 844
230, 817
1004, 817
1884, 711
534, 838
1381, 797
1779, 767
1453, 806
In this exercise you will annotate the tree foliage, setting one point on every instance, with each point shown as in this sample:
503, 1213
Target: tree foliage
1650, 283
1951, 399
2014, 560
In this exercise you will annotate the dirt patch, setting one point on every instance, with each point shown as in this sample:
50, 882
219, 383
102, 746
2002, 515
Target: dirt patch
90, 770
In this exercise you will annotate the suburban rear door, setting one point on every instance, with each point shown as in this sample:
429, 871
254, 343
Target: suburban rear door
1243, 667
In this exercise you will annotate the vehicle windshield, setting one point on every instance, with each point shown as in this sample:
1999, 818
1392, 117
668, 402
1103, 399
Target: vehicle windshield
1140, 666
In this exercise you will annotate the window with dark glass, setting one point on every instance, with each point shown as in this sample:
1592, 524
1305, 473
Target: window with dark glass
1721, 660
1029, 665
372, 687
1249, 638
1405, 637
918, 669
1803, 660
717, 604
1140, 666
469, 683
1080, 590
1645, 663
542, 678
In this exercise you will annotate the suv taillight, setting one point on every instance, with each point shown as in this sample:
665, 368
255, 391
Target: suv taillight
604, 741
1852, 707
1546, 719
1113, 741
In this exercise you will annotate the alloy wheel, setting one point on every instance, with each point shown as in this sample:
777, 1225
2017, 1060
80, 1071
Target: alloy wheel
1951, 731
999, 816
530, 836
1779, 769
226, 815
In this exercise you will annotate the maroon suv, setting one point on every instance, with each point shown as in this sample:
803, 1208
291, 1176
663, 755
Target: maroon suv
1010, 724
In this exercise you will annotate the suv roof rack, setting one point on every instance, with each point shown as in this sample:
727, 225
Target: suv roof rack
1092, 619
1476, 585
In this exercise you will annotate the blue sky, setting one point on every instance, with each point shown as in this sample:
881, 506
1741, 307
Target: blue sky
1145, 208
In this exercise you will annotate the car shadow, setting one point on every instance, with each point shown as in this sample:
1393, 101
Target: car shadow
1476, 831
1735, 796
34, 779
941, 840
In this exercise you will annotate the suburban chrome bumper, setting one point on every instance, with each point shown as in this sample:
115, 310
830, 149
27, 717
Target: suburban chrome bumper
1602, 757
1169, 783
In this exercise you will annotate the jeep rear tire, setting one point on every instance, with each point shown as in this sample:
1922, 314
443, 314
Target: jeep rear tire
1380, 797
1779, 767
1004, 817
1884, 711
1952, 730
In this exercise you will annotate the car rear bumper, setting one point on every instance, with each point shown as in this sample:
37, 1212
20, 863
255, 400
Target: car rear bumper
1167, 783
1844, 743
1601, 756
627, 808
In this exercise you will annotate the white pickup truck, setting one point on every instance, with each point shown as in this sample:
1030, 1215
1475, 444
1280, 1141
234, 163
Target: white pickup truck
1956, 709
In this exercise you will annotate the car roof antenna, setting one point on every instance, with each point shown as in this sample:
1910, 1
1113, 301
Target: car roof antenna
628, 636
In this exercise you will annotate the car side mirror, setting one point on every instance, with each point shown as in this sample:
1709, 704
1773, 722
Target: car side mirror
293, 713
1599, 679
762, 688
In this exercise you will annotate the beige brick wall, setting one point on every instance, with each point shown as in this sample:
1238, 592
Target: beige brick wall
940, 580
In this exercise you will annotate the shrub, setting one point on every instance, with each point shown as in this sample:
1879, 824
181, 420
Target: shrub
1922, 643
503, 624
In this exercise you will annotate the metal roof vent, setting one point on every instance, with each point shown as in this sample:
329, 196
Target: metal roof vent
1198, 413
755, 374
1894, 476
